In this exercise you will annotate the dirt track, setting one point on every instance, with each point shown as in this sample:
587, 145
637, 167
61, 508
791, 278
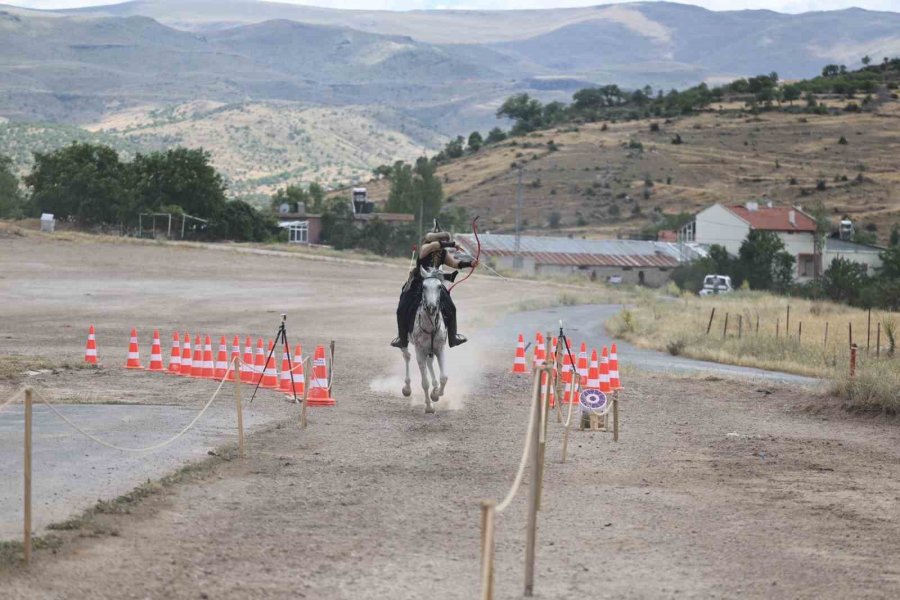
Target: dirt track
715, 489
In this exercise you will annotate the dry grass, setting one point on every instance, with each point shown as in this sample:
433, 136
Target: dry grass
876, 387
759, 333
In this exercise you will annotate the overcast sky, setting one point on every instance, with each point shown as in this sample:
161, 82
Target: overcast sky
791, 6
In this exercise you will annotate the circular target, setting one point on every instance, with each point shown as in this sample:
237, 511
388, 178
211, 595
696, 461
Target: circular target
593, 400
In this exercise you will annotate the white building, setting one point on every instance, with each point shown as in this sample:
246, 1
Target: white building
728, 226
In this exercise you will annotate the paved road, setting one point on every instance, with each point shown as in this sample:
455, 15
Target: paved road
585, 323
71, 472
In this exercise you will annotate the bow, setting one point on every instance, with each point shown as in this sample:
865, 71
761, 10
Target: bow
477, 255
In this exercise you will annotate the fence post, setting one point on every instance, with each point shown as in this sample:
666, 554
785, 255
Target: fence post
799, 331
487, 549
868, 331
725, 328
850, 331
825, 343
616, 416
26, 541
878, 341
237, 401
853, 360
777, 326
787, 323
757, 324
711, 315
740, 326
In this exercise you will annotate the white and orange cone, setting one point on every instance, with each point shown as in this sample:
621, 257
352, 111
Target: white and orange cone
209, 366
319, 394
235, 354
614, 381
604, 372
593, 379
567, 375
519, 362
186, 361
247, 364
156, 361
540, 353
583, 363
221, 364
259, 365
197, 361
270, 374
134, 358
90, 350
175, 356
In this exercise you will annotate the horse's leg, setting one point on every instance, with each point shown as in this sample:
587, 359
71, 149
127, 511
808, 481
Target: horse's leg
407, 390
435, 390
442, 365
420, 357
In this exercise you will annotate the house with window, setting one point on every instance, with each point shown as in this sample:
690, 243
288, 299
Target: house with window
729, 226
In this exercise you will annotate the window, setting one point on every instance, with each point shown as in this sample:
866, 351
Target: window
298, 233
806, 265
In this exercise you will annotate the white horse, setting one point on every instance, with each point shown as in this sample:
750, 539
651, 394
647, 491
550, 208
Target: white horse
429, 336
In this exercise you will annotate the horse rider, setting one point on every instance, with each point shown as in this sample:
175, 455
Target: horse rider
432, 254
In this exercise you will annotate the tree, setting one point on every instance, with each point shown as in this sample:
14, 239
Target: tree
843, 280
764, 262
895, 236
86, 182
475, 142
178, 177
239, 221
337, 226
830, 71
790, 93
525, 111
890, 263
495, 135
866, 60
454, 148
292, 195
12, 202
316, 197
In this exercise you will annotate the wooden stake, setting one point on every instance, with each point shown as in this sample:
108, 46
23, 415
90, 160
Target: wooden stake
850, 331
757, 324
26, 541
777, 326
616, 416
305, 396
534, 490
237, 403
853, 360
711, 315
825, 343
488, 508
740, 326
799, 331
725, 328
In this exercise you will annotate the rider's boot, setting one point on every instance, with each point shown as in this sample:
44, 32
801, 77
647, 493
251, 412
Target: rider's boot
399, 342
454, 338
402, 339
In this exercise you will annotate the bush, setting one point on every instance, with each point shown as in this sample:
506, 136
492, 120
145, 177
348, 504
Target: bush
875, 388
675, 347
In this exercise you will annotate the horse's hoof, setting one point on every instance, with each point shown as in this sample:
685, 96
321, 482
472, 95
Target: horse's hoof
407, 391
429, 410
435, 396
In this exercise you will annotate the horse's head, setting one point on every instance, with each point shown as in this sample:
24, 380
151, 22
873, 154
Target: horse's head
432, 282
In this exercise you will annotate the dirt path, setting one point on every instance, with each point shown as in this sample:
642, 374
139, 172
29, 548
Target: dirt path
715, 489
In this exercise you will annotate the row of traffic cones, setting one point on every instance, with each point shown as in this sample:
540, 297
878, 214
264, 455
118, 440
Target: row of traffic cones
255, 368
597, 373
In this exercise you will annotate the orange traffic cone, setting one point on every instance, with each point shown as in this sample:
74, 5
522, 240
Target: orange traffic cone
197, 361
614, 381
259, 365
604, 372
247, 364
519, 362
175, 356
134, 359
221, 364
156, 363
291, 373
299, 377
319, 394
235, 354
270, 374
209, 366
186, 362
593, 380
540, 353
90, 351
583, 363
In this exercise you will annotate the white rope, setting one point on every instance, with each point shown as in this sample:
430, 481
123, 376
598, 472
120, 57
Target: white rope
576, 385
525, 451
148, 448
12, 398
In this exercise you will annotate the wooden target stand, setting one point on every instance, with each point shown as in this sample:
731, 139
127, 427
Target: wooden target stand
600, 422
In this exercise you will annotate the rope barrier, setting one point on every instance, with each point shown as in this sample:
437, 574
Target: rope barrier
12, 398
148, 448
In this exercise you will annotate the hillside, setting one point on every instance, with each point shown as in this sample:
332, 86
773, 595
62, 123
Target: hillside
597, 177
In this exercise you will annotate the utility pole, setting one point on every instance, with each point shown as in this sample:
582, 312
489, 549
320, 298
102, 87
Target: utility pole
517, 259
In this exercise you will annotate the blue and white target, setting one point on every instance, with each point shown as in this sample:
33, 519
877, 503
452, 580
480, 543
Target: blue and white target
593, 400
